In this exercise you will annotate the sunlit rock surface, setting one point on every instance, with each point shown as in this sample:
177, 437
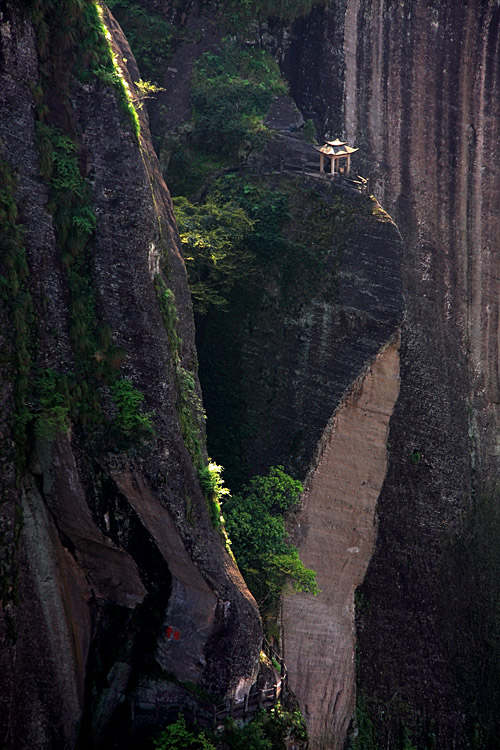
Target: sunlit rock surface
335, 531
416, 86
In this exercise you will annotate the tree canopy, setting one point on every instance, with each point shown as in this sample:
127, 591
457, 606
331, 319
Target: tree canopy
256, 526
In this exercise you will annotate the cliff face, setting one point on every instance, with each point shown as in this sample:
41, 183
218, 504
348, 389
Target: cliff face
416, 88
276, 366
335, 531
313, 376
104, 546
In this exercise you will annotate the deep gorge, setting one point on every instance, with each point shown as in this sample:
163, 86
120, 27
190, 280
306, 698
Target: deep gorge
354, 347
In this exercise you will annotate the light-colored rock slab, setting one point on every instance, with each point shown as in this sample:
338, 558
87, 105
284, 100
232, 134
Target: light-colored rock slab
335, 531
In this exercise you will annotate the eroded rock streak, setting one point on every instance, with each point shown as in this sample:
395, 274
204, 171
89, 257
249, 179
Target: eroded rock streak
421, 100
335, 530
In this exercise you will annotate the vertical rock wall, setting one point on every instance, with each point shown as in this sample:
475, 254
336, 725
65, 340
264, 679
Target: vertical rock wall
335, 530
102, 549
320, 379
421, 99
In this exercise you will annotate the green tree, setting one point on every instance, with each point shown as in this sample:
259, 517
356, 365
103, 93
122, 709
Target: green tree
251, 737
178, 737
256, 526
213, 240
131, 425
232, 90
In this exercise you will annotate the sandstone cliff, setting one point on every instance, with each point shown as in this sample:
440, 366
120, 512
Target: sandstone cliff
105, 544
415, 86
317, 381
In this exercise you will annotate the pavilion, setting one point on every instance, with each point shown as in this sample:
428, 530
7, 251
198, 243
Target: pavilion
335, 151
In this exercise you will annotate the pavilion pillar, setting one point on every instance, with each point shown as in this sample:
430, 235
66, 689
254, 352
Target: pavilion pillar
348, 163
321, 163
332, 167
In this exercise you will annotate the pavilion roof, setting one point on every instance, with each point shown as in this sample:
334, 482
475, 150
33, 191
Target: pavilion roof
336, 148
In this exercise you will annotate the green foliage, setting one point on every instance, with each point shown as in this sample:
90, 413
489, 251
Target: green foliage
166, 299
108, 69
294, 261
250, 737
191, 413
239, 229
310, 132
267, 208
415, 457
72, 38
211, 481
76, 28
256, 526
277, 729
53, 404
131, 424
85, 221
189, 405
283, 727
364, 738
212, 484
213, 240
244, 226
178, 737
268, 731
66, 173
97, 358
232, 90
146, 90
188, 168
44, 136
240, 12
150, 36
14, 276
75, 222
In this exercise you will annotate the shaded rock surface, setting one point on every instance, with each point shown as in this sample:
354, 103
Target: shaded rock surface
286, 362
105, 554
304, 396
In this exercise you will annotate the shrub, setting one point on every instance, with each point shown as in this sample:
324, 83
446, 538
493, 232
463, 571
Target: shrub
178, 737
232, 90
256, 527
52, 404
131, 424
212, 484
310, 131
150, 36
213, 240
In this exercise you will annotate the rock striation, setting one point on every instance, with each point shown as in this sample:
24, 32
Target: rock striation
103, 549
335, 531
416, 88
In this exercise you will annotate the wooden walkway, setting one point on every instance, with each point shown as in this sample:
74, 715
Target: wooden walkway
309, 170
358, 185
210, 714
